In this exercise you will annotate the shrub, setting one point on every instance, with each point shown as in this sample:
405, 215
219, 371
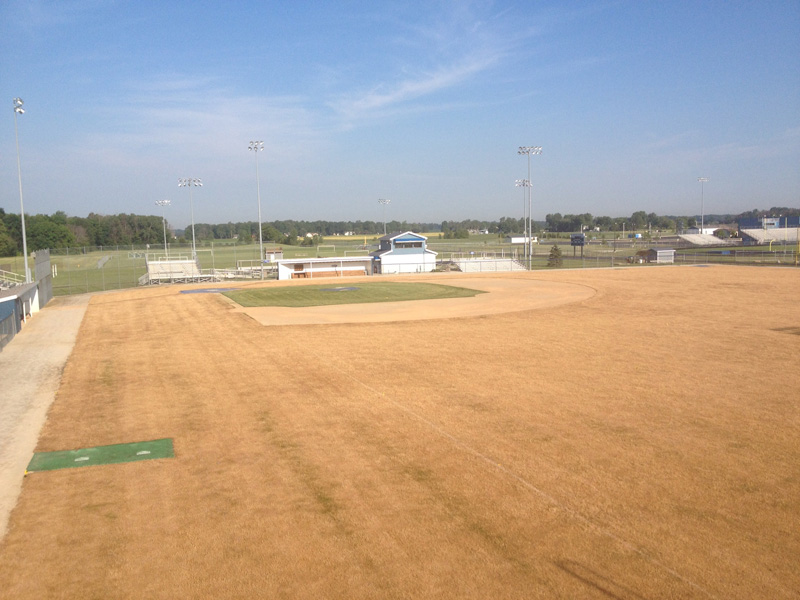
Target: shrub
555, 259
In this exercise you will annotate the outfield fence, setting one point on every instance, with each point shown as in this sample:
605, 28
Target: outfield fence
103, 268
783, 256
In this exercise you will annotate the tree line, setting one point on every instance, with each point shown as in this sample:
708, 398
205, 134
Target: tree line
60, 230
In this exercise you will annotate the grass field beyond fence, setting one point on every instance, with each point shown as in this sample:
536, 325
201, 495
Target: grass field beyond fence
93, 269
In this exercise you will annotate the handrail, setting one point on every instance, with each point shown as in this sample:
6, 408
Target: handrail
11, 277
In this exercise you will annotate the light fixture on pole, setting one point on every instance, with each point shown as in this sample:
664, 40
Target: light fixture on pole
524, 183
190, 183
162, 204
18, 110
256, 147
384, 202
530, 150
702, 181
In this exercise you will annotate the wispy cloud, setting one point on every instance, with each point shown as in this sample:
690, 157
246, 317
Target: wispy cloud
388, 95
189, 119
438, 53
40, 17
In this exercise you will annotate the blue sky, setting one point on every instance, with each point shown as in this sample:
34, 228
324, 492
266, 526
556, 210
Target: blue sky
424, 103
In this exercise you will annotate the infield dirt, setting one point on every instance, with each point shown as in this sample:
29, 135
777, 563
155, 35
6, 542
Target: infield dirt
639, 441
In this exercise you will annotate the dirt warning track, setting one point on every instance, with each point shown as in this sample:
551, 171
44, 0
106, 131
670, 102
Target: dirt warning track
635, 442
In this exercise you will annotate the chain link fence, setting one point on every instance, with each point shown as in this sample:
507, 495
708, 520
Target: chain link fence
102, 268
92, 269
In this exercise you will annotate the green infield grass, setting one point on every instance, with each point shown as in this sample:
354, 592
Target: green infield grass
338, 293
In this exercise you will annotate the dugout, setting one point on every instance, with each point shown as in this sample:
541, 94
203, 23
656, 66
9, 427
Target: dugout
19, 302
313, 268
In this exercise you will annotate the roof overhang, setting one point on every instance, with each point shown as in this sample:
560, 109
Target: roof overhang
334, 259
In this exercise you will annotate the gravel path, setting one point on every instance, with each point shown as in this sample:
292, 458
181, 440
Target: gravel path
30, 372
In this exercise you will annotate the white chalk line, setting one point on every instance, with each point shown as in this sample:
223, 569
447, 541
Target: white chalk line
527, 484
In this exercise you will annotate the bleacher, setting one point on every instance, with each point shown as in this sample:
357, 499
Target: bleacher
765, 236
488, 265
9, 280
704, 239
180, 270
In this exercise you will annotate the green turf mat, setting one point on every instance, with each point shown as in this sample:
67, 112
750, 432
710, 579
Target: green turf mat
102, 455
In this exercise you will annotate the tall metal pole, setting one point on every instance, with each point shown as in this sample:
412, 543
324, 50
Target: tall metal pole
18, 102
162, 204
384, 201
256, 147
530, 150
702, 181
190, 183
524, 183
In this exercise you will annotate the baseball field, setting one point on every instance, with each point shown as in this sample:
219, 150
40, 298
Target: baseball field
628, 434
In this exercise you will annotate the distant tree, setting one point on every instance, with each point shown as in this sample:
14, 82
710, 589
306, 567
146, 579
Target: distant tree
80, 234
245, 235
42, 233
270, 234
553, 221
638, 220
555, 260
8, 247
664, 224
604, 223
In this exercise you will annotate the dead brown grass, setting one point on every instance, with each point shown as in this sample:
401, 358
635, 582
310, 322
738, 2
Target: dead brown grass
641, 443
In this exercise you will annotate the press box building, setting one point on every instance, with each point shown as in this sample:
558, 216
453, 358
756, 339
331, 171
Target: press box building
404, 253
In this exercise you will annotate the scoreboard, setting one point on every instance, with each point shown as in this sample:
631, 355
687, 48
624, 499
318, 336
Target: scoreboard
577, 239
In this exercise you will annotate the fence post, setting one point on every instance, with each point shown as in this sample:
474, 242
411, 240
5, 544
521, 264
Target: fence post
69, 275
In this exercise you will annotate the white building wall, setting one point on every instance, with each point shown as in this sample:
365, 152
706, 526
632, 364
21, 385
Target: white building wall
407, 263
320, 267
519, 239
285, 271
702, 231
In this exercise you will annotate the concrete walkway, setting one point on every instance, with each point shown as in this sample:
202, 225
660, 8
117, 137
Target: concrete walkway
30, 373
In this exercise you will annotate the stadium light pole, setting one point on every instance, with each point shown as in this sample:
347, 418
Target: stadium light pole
530, 150
384, 202
257, 147
162, 204
18, 110
702, 181
524, 183
190, 183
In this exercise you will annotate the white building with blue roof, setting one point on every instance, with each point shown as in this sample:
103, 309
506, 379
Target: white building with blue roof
404, 253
